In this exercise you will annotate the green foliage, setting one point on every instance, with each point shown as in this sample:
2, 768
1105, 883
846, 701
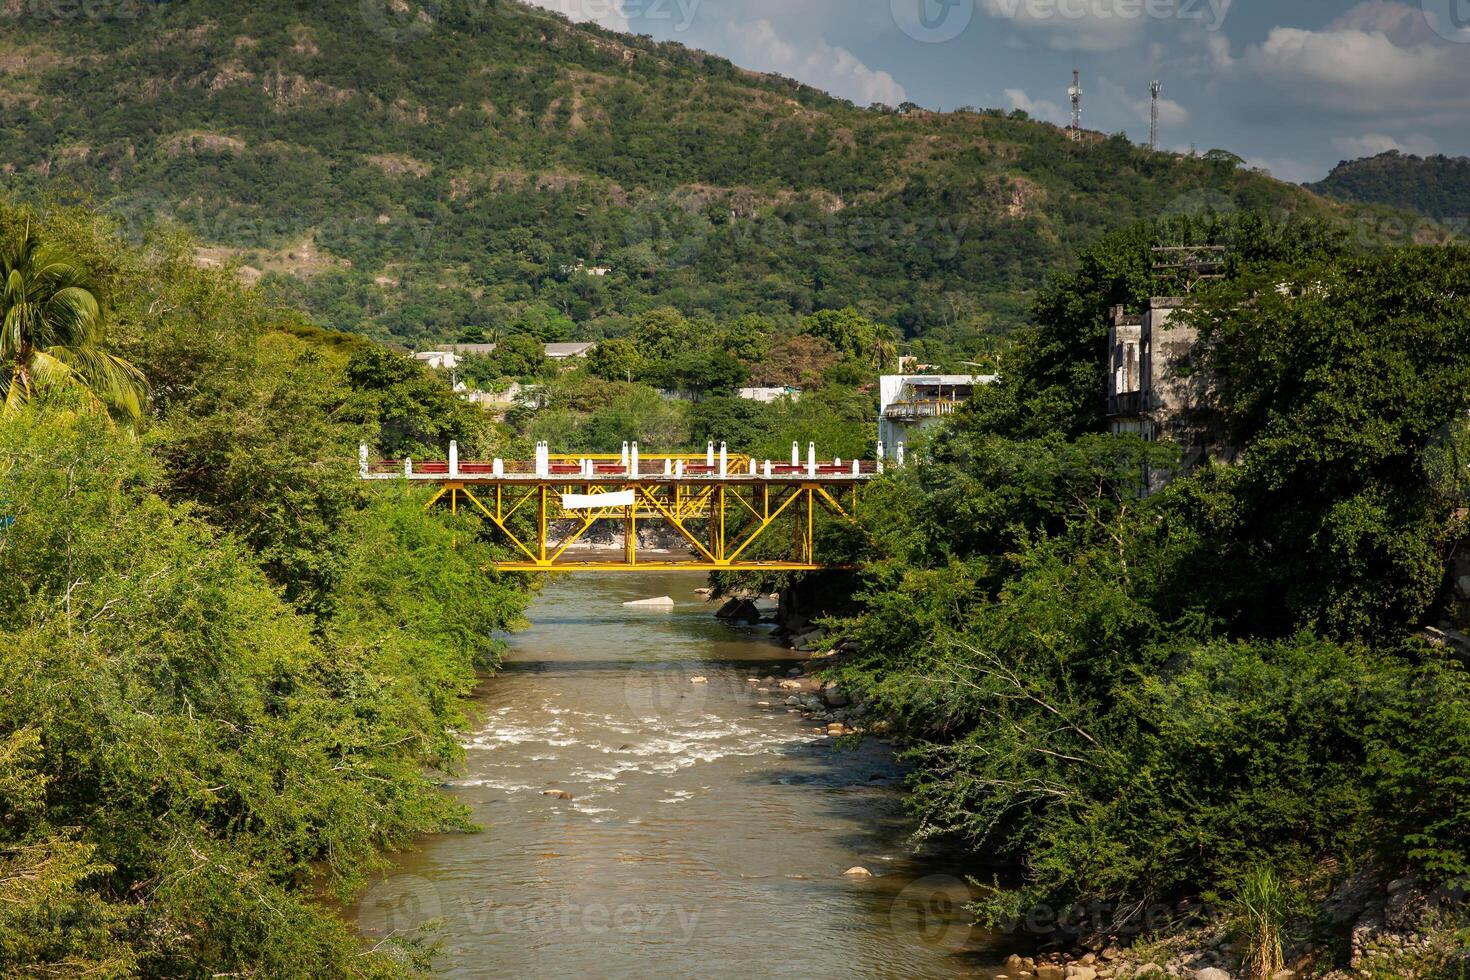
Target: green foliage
1436, 186
263, 665
1348, 380
1123, 694
614, 360
859, 340
520, 355
51, 332
415, 413
1418, 758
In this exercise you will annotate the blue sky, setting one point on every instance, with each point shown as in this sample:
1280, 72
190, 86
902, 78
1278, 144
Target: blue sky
1291, 86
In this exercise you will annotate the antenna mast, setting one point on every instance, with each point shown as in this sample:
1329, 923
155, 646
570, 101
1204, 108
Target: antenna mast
1076, 93
1153, 117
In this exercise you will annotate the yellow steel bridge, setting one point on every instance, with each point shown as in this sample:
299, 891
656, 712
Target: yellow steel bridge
730, 510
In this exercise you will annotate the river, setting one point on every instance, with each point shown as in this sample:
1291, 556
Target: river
707, 835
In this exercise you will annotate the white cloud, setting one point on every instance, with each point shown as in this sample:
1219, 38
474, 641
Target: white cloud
605, 13
839, 71
1171, 113
1372, 144
1284, 169
1358, 72
1405, 26
1035, 108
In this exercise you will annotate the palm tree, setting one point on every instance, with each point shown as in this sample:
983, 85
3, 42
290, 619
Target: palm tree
883, 349
51, 332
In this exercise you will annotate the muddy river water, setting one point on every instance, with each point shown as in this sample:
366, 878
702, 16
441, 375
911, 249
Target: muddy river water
706, 835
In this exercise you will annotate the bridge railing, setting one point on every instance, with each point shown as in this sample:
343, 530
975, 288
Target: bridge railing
714, 464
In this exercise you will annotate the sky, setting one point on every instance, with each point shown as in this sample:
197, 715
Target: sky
1293, 86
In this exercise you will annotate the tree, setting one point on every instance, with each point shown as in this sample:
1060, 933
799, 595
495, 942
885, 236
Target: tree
413, 411
703, 371
847, 330
519, 356
796, 362
51, 332
663, 334
544, 323
614, 360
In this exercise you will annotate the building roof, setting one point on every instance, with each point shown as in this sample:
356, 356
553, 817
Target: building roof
553, 351
946, 380
558, 351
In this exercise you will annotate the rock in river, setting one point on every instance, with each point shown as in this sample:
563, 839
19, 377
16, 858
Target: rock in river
857, 872
662, 602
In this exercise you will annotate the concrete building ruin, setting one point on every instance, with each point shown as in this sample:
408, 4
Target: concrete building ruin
1156, 389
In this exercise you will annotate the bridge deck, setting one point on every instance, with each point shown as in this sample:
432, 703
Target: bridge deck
721, 506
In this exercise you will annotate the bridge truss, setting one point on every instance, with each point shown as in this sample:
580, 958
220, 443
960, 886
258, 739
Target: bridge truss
731, 512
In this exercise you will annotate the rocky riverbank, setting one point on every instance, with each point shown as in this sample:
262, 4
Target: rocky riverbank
1393, 929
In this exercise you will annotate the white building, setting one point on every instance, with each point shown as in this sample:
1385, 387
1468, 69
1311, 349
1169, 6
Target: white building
908, 404
447, 357
439, 360
767, 396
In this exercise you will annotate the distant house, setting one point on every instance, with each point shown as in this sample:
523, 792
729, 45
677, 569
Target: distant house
502, 400
911, 403
478, 350
449, 356
585, 269
439, 360
768, 395
565, 352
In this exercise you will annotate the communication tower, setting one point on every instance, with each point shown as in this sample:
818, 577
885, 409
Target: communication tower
1076, 94
1153, 115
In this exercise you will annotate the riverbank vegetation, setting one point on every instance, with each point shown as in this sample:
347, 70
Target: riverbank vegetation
1125, 696
229, 670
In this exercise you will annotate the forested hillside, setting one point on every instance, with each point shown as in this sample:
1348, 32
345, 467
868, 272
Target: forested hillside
1437, 187
409, 176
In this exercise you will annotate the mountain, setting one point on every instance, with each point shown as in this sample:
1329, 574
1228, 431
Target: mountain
1437, 187
410, 173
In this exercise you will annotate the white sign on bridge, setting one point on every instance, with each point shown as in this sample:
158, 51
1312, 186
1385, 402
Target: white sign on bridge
597, 501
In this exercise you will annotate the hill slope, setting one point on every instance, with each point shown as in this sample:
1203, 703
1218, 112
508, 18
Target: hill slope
406, 175
1437, 186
